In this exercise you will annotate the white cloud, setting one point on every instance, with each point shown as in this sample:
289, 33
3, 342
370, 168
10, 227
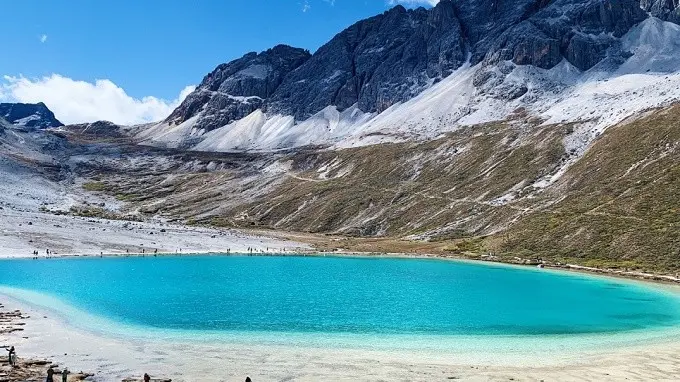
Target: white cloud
306, 6
80, 101
43, 38
413, 2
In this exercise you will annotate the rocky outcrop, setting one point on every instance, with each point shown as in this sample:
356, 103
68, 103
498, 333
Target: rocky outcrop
582, 32
376, 62
29, 115
485, 21
667, 10
236, 89
102, 129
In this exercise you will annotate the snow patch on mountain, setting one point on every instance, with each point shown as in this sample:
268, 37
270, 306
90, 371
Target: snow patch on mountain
261, 132
165, 135
26, 121
244, 133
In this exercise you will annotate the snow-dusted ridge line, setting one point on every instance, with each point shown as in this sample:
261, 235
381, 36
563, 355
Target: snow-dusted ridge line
599, 98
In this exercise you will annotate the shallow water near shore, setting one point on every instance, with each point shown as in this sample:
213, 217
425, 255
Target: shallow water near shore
377, 303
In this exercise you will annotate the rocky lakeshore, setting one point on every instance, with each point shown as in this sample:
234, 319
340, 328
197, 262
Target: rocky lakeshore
34, 370
25, 369
12, 322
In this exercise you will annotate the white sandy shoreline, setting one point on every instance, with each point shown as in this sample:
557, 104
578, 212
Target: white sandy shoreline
21, 233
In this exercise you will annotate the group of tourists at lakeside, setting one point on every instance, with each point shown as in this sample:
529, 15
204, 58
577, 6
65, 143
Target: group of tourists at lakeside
50, 375
12, 360
36, 254
250, 250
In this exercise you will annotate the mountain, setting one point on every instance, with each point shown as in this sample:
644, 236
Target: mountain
375, 63
29, 115
390, 58
232, 91
417, 73
512, 189
518, 129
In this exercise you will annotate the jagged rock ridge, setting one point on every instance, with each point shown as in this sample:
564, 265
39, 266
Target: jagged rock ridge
376, 62
393, 57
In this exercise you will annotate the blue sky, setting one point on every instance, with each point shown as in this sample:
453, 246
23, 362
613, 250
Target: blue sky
152, 48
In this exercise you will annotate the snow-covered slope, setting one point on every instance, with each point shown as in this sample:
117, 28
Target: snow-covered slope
604, 95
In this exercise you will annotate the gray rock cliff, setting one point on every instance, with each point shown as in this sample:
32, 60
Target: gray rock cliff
391, 57
236, 89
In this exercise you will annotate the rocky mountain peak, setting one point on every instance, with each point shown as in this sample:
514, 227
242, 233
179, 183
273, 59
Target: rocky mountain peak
389, 59
235, 89
29, 115
376, 62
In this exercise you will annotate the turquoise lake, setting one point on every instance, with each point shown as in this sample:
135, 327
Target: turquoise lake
342, 295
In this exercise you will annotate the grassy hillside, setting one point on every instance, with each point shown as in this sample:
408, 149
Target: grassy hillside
618, 206
470, 192
443, 188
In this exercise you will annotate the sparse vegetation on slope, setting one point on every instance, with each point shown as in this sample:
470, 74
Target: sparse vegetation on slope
445, 188
619, 206
480, 190
452, 187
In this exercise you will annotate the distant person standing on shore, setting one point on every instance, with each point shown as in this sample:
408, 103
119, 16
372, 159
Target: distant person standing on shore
11, 357
146, 377
50, 375
64, 375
